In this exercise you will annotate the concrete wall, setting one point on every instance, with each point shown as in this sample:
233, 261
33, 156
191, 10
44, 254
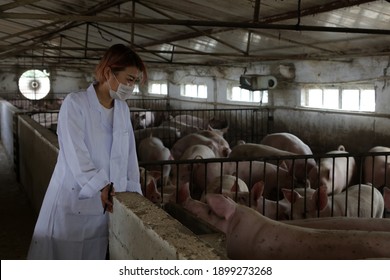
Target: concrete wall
38, 151
8, 126
141, 230
323, 130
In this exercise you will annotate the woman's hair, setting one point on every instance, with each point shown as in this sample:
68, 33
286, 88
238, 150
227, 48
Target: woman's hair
118, 57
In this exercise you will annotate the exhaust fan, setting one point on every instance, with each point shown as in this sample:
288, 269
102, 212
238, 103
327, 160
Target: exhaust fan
257, 82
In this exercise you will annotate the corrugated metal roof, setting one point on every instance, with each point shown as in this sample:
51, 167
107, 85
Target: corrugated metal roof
75, 33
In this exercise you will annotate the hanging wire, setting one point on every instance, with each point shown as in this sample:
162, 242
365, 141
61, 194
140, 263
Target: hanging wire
101, 34
299, 14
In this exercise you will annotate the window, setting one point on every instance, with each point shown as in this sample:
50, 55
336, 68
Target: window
194, 90
34, 84
340, 98
136, 89
158, 88
239, 94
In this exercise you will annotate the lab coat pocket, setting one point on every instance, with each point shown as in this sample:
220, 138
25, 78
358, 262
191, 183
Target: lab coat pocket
89, 206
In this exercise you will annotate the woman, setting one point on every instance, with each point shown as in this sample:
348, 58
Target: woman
97, 147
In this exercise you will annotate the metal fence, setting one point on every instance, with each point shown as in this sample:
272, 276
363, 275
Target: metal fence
247, 124
363, 195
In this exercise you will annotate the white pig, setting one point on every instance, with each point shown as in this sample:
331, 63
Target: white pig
252, 150
216, 143
193, 172
335, 173
184, 128
270, 208
356, 201
225, 184
193, 121
168, 135
152, 149
141, 118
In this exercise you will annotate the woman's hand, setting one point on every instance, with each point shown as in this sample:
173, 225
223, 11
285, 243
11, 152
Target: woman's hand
106, 196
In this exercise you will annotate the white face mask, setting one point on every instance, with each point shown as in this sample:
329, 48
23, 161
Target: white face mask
123, 92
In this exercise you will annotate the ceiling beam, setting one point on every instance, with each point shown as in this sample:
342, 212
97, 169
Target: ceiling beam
328, 7
16, 4
267, 20
38, 40
207, 23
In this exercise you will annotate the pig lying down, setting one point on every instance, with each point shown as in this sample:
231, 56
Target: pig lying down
344, 223
291, 143
250, 235
358, 201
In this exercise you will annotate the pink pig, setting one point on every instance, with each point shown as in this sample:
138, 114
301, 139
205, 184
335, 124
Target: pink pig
152, 149
270, 208
361, 200
274, 177
148, 180
334, 223
291, 143
225, 184
379, 165
250, 235
335, 173
212, 140
195, 172
343, 223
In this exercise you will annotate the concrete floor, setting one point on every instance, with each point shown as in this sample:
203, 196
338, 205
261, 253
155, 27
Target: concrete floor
17, 218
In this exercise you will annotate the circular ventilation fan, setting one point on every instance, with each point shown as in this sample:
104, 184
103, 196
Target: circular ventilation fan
34, 84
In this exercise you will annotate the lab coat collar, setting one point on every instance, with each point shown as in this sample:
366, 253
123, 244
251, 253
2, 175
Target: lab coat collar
94, 103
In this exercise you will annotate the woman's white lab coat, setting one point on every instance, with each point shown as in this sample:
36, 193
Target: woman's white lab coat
71, 223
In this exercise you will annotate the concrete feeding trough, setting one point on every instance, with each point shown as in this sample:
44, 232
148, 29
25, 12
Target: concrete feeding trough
141, 230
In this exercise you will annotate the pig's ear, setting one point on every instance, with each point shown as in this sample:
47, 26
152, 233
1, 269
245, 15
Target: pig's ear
235, 187
320, 197
222, 206
386, 197
150, 189
224, 130
183, 193
290, 195
225, 152
257, 192
283, 165
341, 148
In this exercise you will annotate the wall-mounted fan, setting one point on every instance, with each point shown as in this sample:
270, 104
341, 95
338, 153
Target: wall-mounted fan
34, 84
